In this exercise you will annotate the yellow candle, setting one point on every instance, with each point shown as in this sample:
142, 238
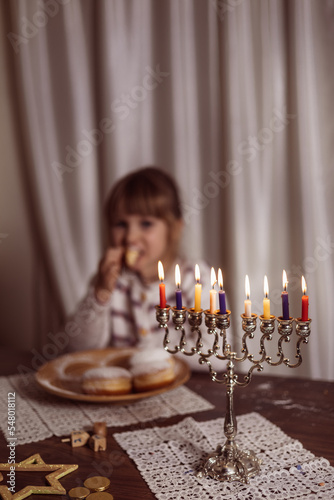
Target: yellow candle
266, 301
198, 290
248, 304
213, 293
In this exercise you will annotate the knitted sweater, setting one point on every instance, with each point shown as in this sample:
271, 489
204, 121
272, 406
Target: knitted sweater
128, 318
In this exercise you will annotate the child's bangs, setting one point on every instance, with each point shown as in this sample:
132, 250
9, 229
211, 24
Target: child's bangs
143, 201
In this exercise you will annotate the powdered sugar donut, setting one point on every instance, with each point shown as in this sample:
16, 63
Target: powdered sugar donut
107, 380
152, 369
149, 355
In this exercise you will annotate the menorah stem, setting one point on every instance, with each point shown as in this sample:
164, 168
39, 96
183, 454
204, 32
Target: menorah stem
230, 423
228, 463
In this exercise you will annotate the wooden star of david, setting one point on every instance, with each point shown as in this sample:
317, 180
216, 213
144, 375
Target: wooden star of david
36, 463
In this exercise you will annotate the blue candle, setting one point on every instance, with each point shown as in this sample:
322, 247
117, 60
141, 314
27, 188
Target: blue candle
285, 298
178, 293
221, 293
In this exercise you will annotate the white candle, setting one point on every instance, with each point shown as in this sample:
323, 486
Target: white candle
248, 303
213, 293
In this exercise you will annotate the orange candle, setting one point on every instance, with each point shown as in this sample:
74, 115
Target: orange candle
162, 289
266, 301
304, 301
198, 290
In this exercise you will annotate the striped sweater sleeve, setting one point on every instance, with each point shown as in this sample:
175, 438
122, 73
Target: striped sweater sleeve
90, 324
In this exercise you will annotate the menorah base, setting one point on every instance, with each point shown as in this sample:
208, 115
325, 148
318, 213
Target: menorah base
228, 463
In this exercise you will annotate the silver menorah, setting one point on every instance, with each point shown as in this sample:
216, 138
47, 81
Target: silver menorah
228, 462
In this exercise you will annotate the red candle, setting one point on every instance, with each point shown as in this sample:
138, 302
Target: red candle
162, 290
304, 301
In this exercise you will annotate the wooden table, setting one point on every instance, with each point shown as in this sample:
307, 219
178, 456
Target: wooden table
303, 409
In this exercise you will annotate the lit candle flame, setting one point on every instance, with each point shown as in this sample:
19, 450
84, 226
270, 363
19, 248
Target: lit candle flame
247, 287
220, 278
304, 286
285, 280
266, 286
161, 271
213, 277
177, 276
197, 273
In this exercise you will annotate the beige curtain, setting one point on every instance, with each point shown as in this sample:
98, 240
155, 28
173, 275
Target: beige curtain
233, 97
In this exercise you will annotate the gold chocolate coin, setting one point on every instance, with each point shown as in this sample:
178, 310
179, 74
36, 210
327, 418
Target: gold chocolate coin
97, 483
79, 493
100, 495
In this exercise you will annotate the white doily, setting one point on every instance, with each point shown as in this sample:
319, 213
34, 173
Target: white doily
40, 415
168, 457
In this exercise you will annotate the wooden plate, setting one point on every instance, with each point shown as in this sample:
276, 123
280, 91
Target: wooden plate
62, 376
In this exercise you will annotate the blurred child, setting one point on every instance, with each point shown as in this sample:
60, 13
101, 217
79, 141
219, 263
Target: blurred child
145, 225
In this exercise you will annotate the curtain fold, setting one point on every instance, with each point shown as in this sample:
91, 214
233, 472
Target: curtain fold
63, 210
315, 132
233, 98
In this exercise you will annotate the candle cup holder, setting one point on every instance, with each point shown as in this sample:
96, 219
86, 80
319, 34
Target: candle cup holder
179, 317
228, 462
194, 317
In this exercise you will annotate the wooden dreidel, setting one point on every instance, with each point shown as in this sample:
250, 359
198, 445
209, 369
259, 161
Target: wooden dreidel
100, 428
78, 438
97, 443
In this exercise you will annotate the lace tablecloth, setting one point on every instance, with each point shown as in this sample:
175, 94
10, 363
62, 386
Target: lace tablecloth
40, 415
167, 458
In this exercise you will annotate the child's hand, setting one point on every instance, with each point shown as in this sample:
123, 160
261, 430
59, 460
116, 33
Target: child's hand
109, 270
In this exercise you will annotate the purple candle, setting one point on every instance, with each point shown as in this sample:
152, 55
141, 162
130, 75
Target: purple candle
222, 302
221, 294
285, 298
178, 293
178, 296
